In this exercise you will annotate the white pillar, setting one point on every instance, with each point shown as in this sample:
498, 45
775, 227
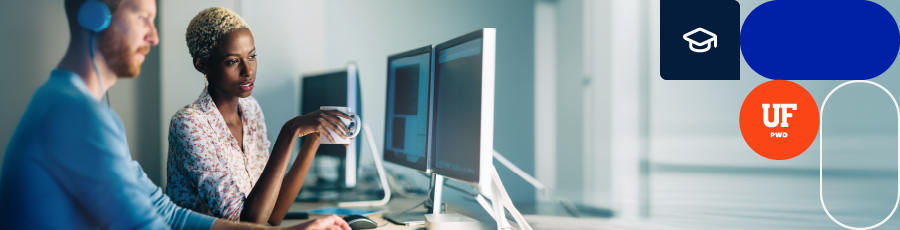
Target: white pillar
626, 106
614, 102
596, 104
545, 94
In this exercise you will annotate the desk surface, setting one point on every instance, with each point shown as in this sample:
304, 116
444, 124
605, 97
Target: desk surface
396, 205
537, 222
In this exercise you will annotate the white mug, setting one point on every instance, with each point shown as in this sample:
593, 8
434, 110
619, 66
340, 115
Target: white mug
354, 125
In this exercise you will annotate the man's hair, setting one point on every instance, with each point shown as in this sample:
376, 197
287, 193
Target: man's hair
72, 7
208, 27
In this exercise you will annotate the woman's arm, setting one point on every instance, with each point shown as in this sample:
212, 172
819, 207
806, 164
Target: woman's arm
258, 207
294, 179
259, 203
332, 222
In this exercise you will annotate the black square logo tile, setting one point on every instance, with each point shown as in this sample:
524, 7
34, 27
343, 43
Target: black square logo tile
700, 39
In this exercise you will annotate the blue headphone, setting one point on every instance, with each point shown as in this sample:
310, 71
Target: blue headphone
94, 16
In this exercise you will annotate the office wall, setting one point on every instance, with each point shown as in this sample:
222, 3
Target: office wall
36, 36
40, 42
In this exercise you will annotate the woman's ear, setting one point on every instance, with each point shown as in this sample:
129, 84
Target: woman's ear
200, 65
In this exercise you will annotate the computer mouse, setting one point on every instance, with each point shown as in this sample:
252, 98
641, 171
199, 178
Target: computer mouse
360, 222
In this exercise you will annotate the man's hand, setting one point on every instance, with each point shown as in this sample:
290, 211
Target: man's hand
332, 222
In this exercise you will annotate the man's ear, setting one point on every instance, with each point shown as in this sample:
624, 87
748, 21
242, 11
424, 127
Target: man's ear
200, 65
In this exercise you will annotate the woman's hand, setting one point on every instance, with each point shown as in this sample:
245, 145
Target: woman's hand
332, 222
320, 121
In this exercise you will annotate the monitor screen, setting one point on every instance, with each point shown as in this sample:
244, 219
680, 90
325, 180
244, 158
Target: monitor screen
406, 110
328, 89
458, 109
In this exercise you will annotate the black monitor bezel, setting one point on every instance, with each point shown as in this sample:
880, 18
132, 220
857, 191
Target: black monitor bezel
415, 52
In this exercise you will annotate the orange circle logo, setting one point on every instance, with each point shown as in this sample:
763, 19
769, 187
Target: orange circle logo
779, 119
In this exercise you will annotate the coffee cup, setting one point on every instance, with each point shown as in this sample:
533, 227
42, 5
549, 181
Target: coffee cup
354, 125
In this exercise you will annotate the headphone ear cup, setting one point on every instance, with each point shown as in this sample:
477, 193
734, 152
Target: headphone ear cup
94, 15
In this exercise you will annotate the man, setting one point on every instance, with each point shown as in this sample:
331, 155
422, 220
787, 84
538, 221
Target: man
68, 165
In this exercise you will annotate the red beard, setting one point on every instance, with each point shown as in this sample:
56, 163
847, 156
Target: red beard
117, 54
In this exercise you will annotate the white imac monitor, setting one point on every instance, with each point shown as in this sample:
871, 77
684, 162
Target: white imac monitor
336, 88
406, 109
463, 109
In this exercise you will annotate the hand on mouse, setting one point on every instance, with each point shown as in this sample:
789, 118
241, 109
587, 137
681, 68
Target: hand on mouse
332, 222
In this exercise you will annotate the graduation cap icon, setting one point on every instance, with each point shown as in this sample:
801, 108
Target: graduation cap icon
692, 42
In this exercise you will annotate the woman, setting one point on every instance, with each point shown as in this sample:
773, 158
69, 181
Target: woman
218, 152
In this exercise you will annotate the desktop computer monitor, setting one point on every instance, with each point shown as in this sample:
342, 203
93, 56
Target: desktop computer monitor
406, 108
463, 108
336, 88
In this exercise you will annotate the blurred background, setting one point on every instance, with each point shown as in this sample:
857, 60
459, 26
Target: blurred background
579, 104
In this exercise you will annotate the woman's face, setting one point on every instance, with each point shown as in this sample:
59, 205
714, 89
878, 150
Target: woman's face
231, 67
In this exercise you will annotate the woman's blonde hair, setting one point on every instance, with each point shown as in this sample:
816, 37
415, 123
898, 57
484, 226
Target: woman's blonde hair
209, 26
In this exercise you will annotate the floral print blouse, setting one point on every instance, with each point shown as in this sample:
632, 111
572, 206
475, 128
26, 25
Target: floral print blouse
207, 170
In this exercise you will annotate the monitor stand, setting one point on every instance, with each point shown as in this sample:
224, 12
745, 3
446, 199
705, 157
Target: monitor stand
498, 205
501, 200
436, 219
564, 202
433, 204
381, 175
407, 218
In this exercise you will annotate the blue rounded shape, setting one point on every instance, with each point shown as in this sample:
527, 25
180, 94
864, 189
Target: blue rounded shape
820, 40
94, 16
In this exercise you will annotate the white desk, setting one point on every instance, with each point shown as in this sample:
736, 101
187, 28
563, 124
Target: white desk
536, 221
396, 205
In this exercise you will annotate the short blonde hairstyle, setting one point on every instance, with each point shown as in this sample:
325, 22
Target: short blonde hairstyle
209, 26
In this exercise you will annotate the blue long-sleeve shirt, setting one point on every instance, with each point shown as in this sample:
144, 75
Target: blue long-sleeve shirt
67, 166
